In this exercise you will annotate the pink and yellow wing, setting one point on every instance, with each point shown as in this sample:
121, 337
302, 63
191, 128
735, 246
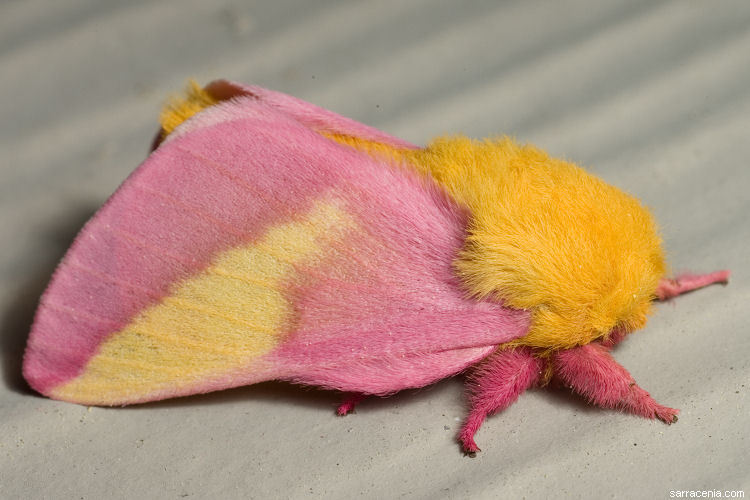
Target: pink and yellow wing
250, 247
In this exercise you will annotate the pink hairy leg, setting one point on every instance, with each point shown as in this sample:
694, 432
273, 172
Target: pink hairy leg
669, 288
592, 372
496, 384
615, 337
350, 401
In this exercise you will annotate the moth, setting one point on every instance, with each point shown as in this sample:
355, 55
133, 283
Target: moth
267, 238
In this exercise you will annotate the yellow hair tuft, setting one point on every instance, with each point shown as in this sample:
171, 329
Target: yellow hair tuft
181, 107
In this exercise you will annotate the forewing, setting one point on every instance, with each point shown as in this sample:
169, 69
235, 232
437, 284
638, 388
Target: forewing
248, 248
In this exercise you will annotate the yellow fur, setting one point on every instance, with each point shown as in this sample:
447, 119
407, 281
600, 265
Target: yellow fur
546, 236
182, 107
213, 324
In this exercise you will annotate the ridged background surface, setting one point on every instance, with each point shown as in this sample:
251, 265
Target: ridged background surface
652, 96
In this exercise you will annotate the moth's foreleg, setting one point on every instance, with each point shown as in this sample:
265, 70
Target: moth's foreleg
592, 372
350, 401
496, 384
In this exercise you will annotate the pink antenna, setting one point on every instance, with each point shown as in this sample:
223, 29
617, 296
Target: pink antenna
684, 283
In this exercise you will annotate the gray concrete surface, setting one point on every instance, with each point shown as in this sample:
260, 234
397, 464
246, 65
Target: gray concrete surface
652, 96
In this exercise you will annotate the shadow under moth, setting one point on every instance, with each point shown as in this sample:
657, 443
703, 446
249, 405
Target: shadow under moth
266, 238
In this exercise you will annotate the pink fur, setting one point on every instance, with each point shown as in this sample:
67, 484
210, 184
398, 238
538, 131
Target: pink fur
688, 282
382, 311
615, 337
184, 204
350, 401
589, 370
496, 384
312, 116
592, 372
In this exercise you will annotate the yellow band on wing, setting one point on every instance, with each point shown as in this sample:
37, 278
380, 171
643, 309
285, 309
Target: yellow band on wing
212, 324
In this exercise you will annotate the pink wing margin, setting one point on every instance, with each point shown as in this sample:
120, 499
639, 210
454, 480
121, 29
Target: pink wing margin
314, 117
382, 312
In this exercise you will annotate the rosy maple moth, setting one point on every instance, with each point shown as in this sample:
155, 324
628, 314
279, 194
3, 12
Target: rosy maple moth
266, 238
